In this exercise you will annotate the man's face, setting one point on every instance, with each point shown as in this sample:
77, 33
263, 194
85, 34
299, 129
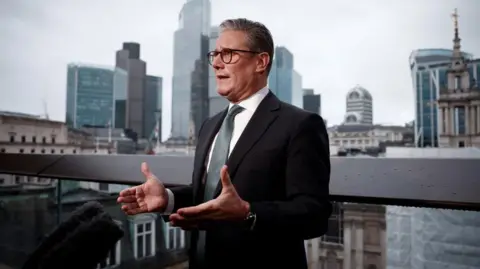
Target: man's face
234, 77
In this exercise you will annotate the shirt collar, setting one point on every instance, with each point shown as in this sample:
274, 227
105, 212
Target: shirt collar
252, 102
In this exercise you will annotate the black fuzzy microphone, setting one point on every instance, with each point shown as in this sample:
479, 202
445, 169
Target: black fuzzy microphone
80, 242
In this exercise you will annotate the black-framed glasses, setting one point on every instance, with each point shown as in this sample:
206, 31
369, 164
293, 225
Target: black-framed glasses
226, 55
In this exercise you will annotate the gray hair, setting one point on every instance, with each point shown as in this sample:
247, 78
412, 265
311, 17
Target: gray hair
259, 37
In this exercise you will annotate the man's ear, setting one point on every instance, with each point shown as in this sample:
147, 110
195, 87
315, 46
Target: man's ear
263, 61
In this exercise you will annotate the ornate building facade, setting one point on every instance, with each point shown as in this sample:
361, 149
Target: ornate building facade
356, 238
459, 100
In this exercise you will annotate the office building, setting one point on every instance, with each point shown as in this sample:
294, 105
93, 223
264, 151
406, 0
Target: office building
312, 102
297, 92
194, 26
199, 102
216, 102
120, 85
89, 95
128, 60
429, 72
152, 105
283, 80
359, 105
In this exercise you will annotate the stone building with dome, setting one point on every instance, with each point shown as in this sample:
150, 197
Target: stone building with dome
359, 106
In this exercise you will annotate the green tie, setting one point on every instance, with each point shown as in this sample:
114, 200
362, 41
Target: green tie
219, 158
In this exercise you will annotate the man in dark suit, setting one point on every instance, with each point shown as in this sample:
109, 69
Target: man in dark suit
260, 181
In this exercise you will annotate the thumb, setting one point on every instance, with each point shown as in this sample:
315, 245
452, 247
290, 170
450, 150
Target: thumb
146, 171
225, 178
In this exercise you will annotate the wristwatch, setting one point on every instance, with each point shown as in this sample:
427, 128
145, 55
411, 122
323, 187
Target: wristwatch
251, 219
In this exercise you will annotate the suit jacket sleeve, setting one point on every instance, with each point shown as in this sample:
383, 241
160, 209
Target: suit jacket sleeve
183, 195
305, 212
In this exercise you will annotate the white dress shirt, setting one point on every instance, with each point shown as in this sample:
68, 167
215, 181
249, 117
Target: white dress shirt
241, 120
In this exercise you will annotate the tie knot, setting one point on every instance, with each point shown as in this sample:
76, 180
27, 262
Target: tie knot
234, 110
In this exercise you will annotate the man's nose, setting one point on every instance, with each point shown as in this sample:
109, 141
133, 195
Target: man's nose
217, 62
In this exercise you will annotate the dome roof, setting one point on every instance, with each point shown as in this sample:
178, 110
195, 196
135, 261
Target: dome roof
359, 92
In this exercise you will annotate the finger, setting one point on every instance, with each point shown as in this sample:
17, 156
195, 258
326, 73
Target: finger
178, 221
225, 177
126, 199
175, 217
134, 211
146, 171
197, 211
130, 206
128, 192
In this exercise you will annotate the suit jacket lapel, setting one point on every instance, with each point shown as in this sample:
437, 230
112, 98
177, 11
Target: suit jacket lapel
263, 117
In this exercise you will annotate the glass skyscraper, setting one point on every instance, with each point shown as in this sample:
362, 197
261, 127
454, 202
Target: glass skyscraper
120, 84
429, 68
284, 81
216, 102
312, 102
194, 26
89, 95
152, 105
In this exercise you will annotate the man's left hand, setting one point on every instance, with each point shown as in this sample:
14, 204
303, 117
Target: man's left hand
227, 206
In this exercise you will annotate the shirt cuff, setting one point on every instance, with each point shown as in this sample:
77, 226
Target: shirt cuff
170, 203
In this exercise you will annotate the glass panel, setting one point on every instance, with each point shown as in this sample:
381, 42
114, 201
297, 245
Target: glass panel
148, 245
140, 246
140, 228
171, 243
27, 216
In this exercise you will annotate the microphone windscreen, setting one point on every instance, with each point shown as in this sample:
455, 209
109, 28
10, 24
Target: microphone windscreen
81, 241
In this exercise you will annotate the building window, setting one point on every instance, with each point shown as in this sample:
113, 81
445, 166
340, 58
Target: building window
113, 257
457, 83
44, 140
61, 151
24, 139
174, 237
12, 139
335, 226
34, 139
32, 151
21, 151
74, 151
53, 139
144, 242
52, 151
3, 150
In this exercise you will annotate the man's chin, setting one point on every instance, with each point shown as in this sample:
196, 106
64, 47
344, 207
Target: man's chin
223, 92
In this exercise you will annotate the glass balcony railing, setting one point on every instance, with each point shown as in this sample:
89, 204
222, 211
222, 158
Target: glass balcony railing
430, 221
31, 208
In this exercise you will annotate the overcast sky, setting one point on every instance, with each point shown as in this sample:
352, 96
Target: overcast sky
336, 45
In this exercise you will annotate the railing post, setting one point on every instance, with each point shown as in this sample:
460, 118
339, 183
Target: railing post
59, 200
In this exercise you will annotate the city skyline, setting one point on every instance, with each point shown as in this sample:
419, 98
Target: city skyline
359, 45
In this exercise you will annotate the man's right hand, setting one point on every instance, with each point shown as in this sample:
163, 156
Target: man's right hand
151, 196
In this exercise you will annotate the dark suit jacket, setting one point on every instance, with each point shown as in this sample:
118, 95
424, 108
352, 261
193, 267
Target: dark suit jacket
281, 166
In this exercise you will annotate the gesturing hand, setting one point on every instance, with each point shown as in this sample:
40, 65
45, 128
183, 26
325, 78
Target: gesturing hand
151, 196
227, 206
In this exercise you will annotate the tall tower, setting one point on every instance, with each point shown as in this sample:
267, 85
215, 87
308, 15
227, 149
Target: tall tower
190, 49
459, 100
359, 105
